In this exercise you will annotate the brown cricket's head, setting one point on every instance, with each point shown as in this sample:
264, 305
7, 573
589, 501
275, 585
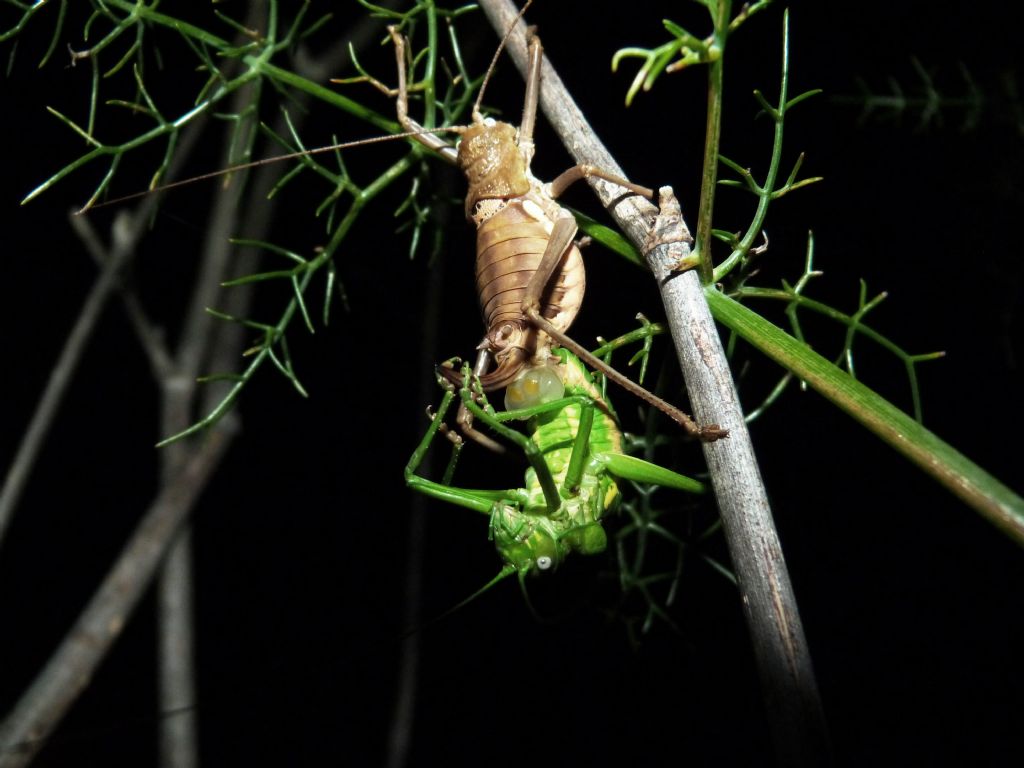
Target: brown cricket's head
492, 162
515, 345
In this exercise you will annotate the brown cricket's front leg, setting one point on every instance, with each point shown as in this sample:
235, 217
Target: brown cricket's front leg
560, 240
429, 140
583, 171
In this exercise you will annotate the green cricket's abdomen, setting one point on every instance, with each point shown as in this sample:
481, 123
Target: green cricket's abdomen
555, 433
576, 524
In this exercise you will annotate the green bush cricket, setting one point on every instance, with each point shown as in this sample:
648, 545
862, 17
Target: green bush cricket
574, 447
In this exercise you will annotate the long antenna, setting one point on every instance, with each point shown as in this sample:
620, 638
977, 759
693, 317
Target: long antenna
265, 161
503, 574
494, 62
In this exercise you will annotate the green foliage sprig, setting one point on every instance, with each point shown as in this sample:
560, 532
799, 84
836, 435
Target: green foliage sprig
126, 27
983, 492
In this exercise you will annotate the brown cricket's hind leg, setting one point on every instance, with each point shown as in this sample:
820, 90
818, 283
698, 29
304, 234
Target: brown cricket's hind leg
559, 242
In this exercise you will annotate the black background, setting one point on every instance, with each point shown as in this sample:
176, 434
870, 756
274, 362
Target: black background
910, 601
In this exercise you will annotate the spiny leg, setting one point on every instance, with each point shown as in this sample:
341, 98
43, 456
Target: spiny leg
526, 126
561, 237
479, 501
464, 417
558, 243
707, 432
429, 140
533, 454
585, 171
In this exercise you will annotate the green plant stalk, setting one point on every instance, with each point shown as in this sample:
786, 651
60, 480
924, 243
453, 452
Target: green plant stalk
996, 502
766, 192
712, 140
326, 95
429, 102
258, 65
149, 14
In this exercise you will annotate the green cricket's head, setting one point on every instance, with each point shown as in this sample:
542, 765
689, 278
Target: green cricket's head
540, 551
536, 553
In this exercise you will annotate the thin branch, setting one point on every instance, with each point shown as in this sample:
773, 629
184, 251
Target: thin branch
57, 385
70, 668
74, 347
179, 743
150, 338
179, 393
783, 659
181, 398
780, 647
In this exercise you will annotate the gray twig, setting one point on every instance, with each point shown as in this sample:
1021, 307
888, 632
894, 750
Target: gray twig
784, 661
789, 688
56, 386
64, 369
70, 669
179, 740
43, 704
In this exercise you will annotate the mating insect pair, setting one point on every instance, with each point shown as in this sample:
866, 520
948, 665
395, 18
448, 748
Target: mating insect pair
530, 280
530, 275
574, 448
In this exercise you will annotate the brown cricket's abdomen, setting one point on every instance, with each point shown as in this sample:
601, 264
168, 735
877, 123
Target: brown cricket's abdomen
510, 246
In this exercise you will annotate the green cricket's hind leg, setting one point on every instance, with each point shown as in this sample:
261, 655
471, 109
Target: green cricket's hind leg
641, 471
644, 572
580, 448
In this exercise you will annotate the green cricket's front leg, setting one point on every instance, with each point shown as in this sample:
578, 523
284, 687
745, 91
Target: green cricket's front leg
534, 454
524, 545
477, 500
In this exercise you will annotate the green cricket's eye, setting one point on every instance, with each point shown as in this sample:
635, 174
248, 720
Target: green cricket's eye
534, 386
538, 551
543, 551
